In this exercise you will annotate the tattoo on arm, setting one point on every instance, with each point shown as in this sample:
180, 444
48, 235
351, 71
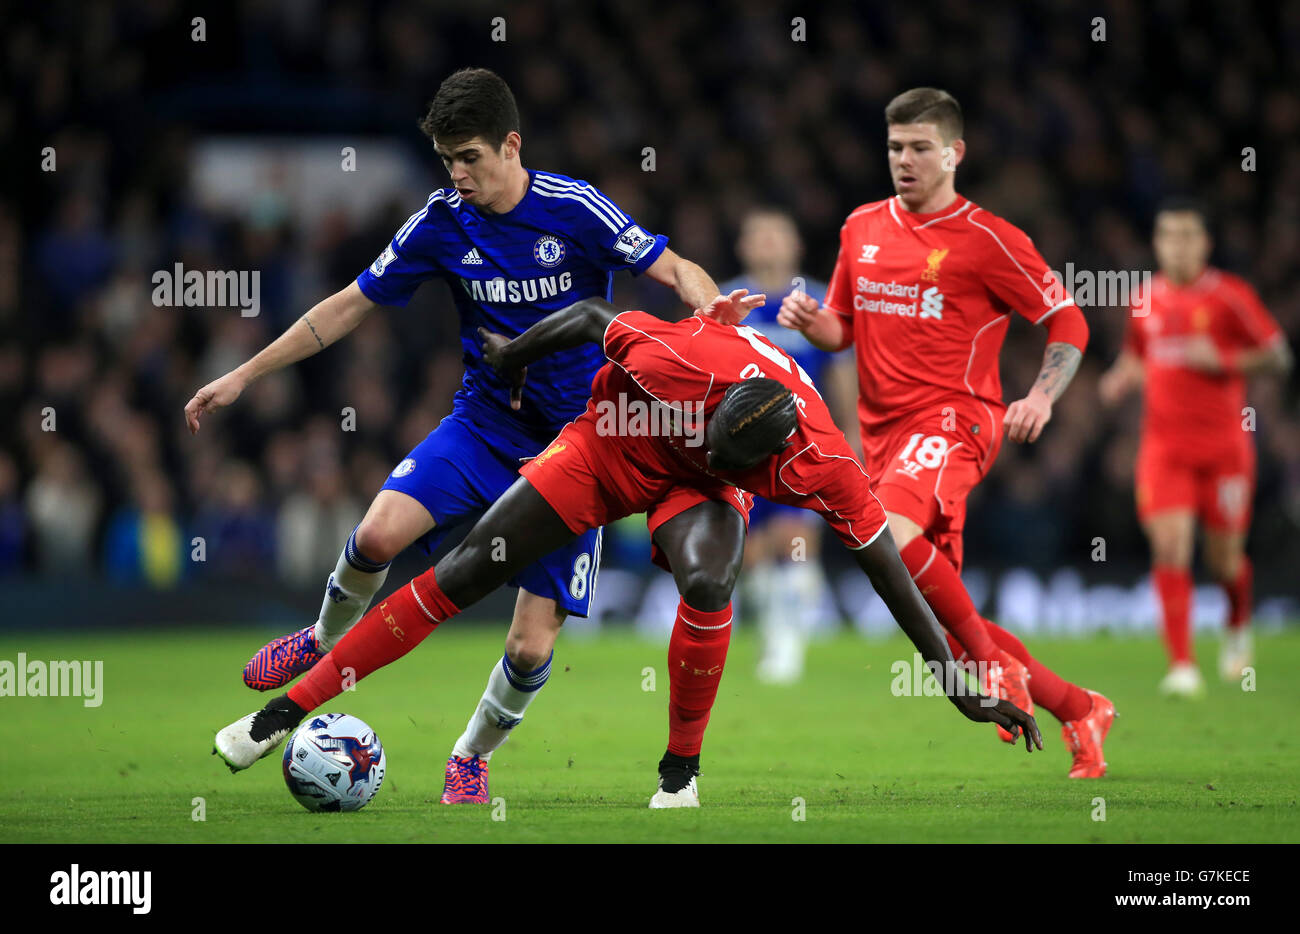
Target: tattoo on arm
1059, 365
307, 319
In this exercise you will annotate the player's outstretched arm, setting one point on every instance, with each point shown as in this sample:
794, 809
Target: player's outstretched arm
324, 324
823, 327
583, 322
1122, 378
890, 578
697, 289
1203, 355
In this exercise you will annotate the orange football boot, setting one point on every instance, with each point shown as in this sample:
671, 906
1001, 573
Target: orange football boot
1085, 736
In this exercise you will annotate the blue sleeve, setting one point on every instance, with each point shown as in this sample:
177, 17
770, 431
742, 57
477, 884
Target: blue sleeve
611, 239
405, 263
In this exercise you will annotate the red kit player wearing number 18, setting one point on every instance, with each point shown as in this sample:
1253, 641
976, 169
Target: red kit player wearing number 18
924, 287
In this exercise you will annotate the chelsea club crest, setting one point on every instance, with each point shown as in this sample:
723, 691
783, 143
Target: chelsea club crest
548, 251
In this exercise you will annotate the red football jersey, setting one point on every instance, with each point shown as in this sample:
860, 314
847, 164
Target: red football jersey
1199, 412
927, 297
684, 369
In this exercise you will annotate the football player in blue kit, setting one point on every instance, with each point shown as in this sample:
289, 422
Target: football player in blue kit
784, 579
513, 245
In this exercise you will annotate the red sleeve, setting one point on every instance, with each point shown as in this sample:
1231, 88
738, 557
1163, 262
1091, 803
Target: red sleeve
839, 294
622, 333
833, 484
658, 355
1134, 337
1256, 325
1016, 273
1068, 326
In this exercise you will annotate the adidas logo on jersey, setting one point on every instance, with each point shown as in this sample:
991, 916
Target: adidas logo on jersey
471, 258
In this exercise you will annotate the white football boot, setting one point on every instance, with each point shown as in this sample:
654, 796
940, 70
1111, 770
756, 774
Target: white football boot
1183, 680
255, 736
677, 788
1236, 653
687, 796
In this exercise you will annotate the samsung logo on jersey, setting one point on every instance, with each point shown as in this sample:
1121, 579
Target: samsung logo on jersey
518, 291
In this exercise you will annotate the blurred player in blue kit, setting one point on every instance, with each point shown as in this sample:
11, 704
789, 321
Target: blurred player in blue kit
513, 245
783, 579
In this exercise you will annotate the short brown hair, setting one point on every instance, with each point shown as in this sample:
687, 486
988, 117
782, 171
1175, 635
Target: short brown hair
472, 102
927, 105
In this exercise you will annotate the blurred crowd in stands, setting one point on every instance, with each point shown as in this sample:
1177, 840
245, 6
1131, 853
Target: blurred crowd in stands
1072, 137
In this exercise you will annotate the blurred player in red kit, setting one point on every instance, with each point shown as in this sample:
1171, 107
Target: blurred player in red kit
1193, 342
924, 286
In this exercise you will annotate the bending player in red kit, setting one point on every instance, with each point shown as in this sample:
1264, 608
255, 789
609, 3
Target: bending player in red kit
716, 413
1203, 331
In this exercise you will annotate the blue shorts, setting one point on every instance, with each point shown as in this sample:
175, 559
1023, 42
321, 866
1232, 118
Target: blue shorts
764, 510
461, 469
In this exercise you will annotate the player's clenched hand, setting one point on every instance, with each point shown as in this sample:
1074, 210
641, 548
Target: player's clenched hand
1026, 418
1112, 387
1201, 354
732, 309
215, 395
1005, 714
494, 355
798, 311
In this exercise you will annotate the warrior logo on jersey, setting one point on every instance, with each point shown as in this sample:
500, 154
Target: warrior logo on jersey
932, 262
378, 266
548, 251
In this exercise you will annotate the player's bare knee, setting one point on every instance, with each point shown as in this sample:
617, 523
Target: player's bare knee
1223, 565
902, 529
1170, 554
377, 542
528, 653
528, 647
708, 590
1171, 544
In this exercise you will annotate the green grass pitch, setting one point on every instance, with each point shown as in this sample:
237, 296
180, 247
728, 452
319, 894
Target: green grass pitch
867, 766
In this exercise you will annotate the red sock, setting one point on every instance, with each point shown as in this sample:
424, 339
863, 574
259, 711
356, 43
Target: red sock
1174, 585
696, 654
938, 582
1060, 698
386, 633
1240, 593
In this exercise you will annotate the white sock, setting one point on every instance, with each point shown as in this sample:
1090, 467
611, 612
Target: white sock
508, 694
791, 600
348, 593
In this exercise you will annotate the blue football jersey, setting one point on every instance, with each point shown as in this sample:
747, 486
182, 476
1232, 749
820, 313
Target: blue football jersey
561, 243
763, 319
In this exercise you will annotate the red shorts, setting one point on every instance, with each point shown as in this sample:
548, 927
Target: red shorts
1218, 490
923, 467
589, 480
